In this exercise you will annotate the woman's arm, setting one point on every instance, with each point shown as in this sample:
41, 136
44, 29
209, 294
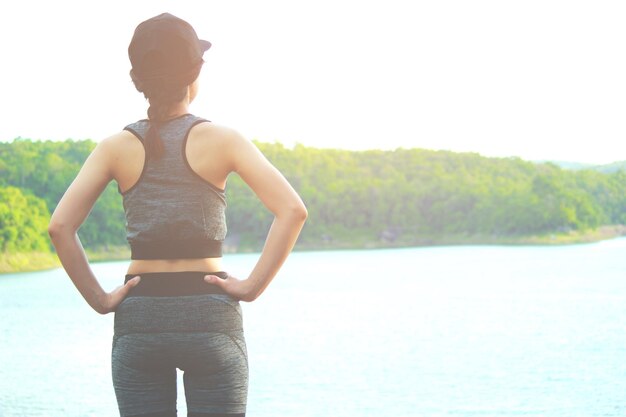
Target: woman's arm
69, 215
282, 200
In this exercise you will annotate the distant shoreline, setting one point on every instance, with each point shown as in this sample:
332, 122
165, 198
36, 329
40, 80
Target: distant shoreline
569, 238
40, 261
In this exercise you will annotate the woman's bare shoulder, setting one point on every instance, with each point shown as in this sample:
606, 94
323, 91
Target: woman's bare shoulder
121, 146
216, 132
121, 138
216, 138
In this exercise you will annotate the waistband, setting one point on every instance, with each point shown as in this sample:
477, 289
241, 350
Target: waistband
172, 284
176, 249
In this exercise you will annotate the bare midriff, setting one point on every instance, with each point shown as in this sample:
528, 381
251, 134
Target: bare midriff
138, 266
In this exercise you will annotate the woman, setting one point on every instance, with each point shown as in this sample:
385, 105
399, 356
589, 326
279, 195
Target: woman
177, 308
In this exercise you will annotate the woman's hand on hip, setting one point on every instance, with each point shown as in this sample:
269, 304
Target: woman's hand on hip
109, 301
240, 289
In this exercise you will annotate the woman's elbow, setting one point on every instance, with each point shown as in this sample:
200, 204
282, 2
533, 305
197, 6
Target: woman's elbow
56, 229
53, 229
304, 213
299, 212
295, 212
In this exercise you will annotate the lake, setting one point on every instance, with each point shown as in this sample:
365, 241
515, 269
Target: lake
444, 331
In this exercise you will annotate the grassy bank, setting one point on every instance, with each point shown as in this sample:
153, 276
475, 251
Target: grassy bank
108, 253
39, 261
589, 236
566, 238
22, 262
32, 261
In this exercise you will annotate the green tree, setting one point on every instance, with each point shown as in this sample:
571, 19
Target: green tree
23, 222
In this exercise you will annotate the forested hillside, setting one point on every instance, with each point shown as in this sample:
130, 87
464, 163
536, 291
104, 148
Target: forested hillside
355, 199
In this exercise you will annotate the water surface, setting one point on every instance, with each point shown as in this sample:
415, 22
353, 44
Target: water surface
446, 331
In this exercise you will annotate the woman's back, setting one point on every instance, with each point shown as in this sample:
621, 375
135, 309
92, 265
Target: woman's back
206, 151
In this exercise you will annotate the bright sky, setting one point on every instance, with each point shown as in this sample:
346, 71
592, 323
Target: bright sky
539, 79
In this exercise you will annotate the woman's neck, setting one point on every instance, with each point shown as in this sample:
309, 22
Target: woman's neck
178, 109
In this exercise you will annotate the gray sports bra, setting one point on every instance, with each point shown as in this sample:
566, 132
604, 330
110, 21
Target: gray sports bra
171, 211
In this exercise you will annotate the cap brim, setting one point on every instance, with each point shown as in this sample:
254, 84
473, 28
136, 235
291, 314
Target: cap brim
204, 45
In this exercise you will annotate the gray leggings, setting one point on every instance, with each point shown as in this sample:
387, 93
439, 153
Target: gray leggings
176, 320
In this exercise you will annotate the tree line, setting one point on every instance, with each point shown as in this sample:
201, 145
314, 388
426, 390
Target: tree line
354, 198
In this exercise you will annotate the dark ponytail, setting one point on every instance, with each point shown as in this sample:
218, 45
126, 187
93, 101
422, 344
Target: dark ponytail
163, 93
159, 112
